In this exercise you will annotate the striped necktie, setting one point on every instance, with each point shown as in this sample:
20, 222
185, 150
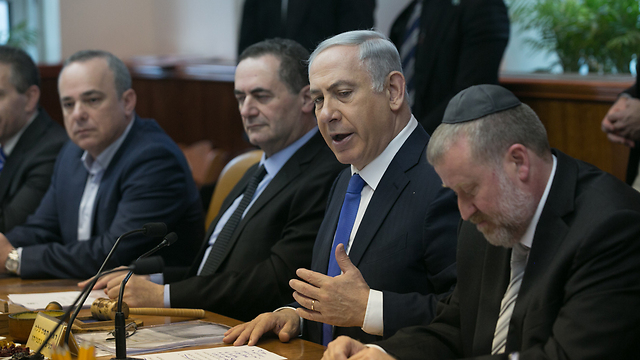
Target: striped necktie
518, 263
219, 248
408, 50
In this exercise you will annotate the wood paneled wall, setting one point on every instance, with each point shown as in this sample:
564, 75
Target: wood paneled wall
571, 108
202, 106
188, 107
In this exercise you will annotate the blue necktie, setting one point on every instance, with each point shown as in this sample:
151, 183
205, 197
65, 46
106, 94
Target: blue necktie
3, 158
343, 231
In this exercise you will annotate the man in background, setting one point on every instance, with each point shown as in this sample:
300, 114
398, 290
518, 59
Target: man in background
29, 139
117, 173
548, 253
447, 46
622, 126
305, 21
259, 239
385, 252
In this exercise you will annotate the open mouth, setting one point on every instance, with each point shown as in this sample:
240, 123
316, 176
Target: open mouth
340, 137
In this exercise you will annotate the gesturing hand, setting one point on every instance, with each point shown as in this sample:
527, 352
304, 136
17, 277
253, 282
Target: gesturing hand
339, 301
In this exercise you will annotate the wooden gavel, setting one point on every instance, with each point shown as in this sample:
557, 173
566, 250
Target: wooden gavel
105, 309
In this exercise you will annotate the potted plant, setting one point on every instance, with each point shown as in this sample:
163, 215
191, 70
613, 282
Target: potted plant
603, 34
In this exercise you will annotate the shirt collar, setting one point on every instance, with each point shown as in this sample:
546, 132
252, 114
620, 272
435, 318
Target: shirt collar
372, 173
10, 144
102, 161
527, 238
275, 162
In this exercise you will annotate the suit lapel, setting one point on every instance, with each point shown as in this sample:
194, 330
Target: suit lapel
549, 235
288, 173
327, 231
392, 184
495, 279
12, 164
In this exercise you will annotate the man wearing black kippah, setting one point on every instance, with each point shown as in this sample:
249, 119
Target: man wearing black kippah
548, 252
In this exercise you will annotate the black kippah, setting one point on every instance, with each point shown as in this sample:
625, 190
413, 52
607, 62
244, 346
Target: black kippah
478, 101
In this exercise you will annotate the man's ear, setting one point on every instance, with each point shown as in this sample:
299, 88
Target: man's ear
33, 96
307, 102
517, 162
129, 99
396, 90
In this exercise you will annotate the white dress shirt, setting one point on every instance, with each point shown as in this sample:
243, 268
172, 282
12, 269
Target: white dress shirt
372, 174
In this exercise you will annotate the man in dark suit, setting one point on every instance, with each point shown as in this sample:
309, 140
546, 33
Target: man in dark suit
29, 139
304, 21
118, 173
277, 231
458, 43
556, 277
622, 126
401, 246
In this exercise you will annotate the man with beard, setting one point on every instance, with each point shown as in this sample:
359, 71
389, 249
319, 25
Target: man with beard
558, 278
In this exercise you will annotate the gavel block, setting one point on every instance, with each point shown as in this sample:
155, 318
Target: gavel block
105, 309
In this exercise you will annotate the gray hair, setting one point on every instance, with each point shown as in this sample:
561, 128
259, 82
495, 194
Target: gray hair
490, 136
377, 53
24, 72
121, 75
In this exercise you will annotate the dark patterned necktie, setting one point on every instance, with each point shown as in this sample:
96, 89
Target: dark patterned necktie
220, 246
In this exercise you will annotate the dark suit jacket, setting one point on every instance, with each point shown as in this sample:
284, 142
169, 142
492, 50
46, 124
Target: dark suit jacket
406, 243
580, 292
308, 22
459, 46
27, 171
148, 180
634, 153
273, 240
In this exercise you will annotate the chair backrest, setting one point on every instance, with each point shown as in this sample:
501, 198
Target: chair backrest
228, 178
205, 161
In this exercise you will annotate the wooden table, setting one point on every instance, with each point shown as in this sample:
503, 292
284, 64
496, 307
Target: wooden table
295, 349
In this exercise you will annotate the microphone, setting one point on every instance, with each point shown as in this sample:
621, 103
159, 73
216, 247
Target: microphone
154, 229
167, 241
142, 266
149, 229
37, 355
147, 266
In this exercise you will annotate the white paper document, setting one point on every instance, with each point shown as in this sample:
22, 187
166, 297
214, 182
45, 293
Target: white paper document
39, 301
161, 337
220, 353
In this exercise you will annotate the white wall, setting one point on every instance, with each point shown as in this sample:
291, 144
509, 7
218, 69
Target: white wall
206, 28
386, 12
150, 27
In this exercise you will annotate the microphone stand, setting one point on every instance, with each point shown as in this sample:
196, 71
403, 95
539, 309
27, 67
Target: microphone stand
150, 229
120, 332
37, 355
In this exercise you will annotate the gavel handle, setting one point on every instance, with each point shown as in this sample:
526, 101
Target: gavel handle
192, 313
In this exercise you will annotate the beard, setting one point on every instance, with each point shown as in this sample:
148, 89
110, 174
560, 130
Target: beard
515, 211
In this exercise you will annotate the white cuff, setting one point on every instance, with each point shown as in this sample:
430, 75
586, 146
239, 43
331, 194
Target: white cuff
19, 260
374, 346
300, 324
157, 278
373, 317
167, 296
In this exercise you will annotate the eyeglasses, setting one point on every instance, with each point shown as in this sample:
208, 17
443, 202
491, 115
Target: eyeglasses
130, 329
